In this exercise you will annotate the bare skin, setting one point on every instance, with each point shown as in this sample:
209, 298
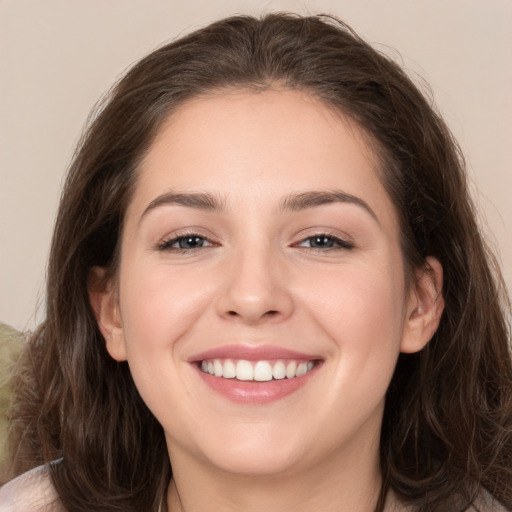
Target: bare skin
325, 279
33, 492
259, 220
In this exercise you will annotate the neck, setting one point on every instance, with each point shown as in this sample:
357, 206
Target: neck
345, 482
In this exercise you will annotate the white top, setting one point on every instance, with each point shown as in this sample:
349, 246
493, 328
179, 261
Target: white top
30, 492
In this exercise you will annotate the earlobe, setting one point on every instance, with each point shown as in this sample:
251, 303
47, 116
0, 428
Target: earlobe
104, 303
426, 305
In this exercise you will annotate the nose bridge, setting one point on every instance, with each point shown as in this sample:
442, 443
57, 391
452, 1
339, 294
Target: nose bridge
254, 289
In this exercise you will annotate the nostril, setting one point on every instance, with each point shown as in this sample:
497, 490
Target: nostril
272, 312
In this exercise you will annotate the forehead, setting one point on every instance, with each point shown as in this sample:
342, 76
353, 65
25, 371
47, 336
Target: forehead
248, 144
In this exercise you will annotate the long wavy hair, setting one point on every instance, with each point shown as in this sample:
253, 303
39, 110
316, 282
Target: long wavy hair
447, 427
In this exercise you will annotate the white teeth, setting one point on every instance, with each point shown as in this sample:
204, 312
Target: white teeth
301, 369
217, 368
229, 370
260, 371
279, 370
290, 369
244, 370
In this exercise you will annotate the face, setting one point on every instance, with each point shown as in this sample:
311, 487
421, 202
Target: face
261, 300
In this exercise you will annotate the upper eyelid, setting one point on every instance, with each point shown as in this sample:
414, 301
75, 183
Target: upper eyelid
308, 233
192, 231
185, 235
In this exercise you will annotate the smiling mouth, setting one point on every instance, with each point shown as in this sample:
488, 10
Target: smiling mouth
258, 371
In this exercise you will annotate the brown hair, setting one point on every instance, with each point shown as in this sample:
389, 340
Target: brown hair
447, 427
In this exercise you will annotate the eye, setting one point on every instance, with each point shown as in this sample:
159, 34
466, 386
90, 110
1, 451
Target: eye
325, 242
188, 242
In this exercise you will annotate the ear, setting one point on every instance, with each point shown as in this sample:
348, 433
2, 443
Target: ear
425, 307
104, 303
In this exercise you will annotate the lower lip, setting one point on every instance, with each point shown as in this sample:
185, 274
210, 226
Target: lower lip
254, 392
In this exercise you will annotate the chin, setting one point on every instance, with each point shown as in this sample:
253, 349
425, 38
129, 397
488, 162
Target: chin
257, 451
260, 463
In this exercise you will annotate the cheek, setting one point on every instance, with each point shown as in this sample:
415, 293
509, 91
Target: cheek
362, 310
158, 311
360, 299
158, 307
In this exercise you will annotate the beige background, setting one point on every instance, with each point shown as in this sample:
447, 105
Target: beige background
58, 56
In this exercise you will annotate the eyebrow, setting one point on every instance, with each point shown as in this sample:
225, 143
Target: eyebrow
304, 200
198, 200
294, 202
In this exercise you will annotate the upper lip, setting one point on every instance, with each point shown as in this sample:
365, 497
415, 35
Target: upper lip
252, 353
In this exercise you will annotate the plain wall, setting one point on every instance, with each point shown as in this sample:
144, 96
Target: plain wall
57, 57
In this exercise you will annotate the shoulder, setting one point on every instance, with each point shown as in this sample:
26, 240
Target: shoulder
30, 492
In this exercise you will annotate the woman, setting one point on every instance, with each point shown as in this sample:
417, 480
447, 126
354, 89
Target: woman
266, 273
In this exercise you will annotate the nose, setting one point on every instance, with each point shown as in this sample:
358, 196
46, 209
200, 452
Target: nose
255, 289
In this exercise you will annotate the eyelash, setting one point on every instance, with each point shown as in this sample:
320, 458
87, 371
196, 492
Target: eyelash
338, 243
167, 244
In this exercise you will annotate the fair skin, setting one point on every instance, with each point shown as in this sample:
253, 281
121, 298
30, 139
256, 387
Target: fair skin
259, 231
259, 227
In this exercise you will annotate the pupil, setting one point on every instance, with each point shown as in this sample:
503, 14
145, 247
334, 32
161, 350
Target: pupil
322, 241
191, 242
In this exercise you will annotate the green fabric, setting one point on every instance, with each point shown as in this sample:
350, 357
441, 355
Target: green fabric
10, 347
